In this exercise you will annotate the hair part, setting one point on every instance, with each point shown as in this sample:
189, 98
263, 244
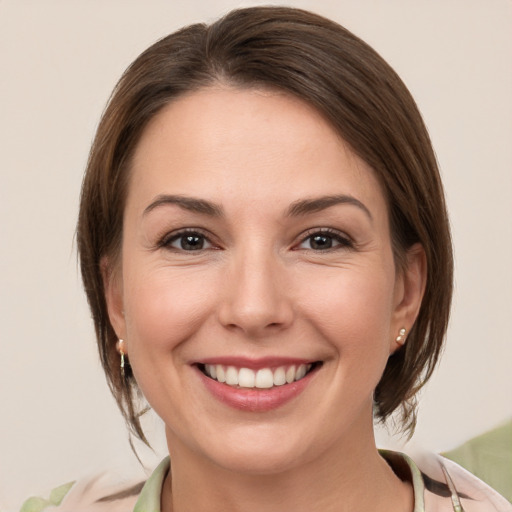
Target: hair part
358, 93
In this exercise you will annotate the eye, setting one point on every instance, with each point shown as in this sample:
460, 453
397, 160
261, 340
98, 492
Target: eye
187, 241
324, 240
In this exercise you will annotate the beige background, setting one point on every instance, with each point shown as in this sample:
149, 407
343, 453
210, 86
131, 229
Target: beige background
59, 62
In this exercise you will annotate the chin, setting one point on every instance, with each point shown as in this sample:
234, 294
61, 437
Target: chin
258, 461
261, 451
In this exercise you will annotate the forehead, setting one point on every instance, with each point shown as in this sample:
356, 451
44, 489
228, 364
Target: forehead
249, 144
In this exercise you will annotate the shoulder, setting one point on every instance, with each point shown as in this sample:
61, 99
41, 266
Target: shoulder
99, 494
445, 481
489, 457
37, 504
96, 494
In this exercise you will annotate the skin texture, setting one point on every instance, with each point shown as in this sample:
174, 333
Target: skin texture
259, 288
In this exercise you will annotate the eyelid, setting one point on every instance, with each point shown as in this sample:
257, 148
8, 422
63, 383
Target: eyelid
166, 240
344, 240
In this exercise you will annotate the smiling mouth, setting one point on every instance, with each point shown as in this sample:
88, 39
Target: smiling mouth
264, 378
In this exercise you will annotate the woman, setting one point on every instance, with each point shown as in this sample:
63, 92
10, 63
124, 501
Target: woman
265, 249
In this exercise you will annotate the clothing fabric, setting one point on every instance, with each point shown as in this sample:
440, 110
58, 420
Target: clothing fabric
439, 486
489, 457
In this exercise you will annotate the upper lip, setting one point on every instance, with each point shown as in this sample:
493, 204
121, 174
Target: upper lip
255, 363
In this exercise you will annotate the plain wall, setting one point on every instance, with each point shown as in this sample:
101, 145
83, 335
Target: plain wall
59, 62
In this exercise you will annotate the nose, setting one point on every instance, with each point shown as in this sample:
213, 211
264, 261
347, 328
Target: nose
256, 301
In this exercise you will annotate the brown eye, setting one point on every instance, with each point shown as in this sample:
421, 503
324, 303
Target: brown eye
191, 242
319, 242
325, 240
188, 241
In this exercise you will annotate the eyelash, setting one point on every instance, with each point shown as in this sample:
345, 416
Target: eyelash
343, 241
169, 238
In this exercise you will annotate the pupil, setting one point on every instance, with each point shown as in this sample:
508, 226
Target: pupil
321, 242
192, 243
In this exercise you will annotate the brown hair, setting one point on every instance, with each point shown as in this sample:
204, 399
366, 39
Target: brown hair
365, 101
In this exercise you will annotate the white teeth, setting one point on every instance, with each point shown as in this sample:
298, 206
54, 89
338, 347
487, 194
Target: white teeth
279, 377
301, 371
221, 375
232, 376
290, 374
264, 378
246, 378
211, 370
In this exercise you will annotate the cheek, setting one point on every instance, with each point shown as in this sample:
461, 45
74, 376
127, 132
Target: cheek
353, 310
165, 307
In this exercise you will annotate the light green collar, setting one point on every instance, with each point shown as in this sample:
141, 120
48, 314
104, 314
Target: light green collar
418, 484
149, 498
400, 462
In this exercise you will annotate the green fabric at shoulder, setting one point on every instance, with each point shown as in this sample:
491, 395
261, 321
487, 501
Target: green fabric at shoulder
489, 457
36, 504
150, 496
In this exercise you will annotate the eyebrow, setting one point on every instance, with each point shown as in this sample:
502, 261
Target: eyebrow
317, 204
187, 203
298, 208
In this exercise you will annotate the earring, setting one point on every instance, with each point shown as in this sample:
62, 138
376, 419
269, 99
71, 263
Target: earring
400, 339
120, 349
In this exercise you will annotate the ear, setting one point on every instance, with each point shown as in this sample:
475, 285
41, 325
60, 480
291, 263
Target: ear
409, 290
113, 286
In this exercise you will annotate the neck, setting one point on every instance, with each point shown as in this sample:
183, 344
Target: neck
345, 478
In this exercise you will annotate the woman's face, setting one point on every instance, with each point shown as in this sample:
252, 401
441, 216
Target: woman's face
256, 247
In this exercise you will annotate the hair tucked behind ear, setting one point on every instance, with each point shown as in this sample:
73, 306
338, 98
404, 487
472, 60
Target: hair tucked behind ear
329, 68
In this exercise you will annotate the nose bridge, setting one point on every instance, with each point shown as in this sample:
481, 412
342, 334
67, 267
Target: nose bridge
257, 299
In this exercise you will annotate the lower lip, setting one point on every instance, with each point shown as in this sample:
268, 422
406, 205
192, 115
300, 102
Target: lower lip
253, 399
